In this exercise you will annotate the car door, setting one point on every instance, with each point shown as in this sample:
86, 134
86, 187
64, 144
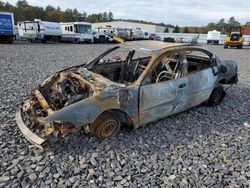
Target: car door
158, 100
201, 84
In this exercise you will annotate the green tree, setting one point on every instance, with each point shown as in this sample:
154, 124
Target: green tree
232, 25
221, 25
105, 16
110, 16
84, 16
176, 29
185, 30
21, 3
166, 30
68, 15
49, 8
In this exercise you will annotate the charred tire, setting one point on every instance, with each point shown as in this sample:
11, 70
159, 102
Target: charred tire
239, 47
106, 126
225, 46
216, 96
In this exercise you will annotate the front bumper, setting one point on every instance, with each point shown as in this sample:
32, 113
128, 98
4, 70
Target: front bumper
28, 134
234, 43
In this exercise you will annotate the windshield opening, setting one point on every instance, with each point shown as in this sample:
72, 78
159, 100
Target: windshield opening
82, 28
122, 65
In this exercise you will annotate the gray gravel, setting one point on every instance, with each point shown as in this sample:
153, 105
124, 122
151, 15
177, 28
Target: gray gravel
202, 147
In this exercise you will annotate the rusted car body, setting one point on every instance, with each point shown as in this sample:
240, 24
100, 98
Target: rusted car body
152, 81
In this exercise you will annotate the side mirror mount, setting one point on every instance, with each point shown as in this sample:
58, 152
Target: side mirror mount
222, 68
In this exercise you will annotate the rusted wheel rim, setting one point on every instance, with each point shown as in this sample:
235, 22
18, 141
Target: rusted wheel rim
108, 129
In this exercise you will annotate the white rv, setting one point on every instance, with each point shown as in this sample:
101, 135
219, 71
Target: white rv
146, 35
39, 30
76, 32
213, 37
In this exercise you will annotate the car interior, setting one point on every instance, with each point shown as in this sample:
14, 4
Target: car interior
198, 61
122, 66
172, 67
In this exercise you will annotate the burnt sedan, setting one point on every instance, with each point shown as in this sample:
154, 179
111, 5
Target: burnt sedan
133, 83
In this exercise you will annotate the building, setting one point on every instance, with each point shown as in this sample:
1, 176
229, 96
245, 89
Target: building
126, 24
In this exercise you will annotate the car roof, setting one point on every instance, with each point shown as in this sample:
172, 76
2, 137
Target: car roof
152, 46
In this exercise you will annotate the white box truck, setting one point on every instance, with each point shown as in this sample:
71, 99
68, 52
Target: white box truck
213, 37
76, 32
39, 30
7, 27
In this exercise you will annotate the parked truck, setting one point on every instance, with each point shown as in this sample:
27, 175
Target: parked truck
235, 39
213, 37
7, 27
39, 30
76, 32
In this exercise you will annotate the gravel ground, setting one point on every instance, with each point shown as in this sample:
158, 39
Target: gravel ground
202, 147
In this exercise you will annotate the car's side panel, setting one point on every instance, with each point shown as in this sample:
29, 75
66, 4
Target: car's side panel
80, 113
86, 111
162, 99
201, 85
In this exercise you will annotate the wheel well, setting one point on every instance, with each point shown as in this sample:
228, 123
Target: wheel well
121, 115
223, 81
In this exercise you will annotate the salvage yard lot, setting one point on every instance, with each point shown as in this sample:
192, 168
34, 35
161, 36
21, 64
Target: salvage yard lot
202, 146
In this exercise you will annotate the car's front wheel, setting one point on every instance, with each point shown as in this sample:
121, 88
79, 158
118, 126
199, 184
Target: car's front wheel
106, 126
216, 96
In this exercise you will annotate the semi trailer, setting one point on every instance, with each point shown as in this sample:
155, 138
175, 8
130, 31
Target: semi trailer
7, 27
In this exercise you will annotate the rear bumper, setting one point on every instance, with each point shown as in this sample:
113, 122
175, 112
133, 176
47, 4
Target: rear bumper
28, 134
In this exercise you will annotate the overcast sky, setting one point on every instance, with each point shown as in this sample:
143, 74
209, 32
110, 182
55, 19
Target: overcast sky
181, 12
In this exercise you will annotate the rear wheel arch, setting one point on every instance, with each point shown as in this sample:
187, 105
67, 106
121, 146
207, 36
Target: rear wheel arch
216, 96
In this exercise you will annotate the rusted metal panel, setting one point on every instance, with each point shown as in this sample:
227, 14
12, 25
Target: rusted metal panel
42, 101
30, 136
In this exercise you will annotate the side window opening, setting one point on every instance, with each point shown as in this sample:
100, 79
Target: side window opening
197, 60
167, 69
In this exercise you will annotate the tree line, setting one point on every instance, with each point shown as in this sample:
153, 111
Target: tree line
222, 25
23, 11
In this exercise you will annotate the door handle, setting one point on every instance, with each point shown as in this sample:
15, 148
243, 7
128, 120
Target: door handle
182, 85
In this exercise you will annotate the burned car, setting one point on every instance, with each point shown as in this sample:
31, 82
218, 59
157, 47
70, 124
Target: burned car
133, 83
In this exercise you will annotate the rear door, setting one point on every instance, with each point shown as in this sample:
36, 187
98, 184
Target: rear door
201, 81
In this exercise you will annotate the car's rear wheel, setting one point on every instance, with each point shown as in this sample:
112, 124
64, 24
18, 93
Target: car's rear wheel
239, 47
106, 126
225, 46
216, 96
